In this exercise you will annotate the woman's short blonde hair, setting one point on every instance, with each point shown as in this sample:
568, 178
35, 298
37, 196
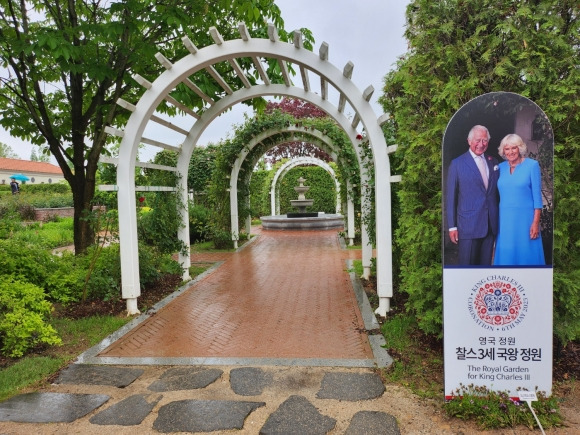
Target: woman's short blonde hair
513, 139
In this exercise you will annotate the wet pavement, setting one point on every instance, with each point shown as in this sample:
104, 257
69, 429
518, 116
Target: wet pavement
285, 296
273, 339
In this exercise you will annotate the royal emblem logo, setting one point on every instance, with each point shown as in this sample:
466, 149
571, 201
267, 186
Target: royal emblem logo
498, 303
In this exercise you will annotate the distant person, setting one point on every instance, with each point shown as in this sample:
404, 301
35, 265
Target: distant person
14, 187
519, 241
472, 200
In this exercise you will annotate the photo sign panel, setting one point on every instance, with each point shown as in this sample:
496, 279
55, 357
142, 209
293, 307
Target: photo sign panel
497, 243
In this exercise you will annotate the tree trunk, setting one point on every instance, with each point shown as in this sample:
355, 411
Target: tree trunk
84, 234
83, 188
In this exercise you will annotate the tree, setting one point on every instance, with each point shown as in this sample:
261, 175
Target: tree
7, 152
68, 61
299, 109
38, 157
459, 50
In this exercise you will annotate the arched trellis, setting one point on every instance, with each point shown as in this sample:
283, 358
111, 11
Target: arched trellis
228, 51
298, 132
293, 163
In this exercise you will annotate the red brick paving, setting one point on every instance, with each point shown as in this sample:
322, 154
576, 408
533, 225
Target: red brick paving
286, 295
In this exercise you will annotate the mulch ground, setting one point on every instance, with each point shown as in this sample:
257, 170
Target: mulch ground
149, 297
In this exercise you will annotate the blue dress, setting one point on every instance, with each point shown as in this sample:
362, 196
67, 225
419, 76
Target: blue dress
519, 193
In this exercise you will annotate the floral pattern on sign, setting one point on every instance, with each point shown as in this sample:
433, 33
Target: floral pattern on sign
498, 303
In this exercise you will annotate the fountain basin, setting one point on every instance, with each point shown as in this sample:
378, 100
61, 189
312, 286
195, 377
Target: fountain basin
302, 214
301, 204
321, 221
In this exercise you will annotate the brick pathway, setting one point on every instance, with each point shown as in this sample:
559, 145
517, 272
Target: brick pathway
286, 295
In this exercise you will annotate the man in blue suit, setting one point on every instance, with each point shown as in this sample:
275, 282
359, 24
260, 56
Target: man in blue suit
472, 200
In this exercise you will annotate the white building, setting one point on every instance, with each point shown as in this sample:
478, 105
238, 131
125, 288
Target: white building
38, 172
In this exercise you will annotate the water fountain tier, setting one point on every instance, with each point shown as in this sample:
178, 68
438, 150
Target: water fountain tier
301, 203
302, 220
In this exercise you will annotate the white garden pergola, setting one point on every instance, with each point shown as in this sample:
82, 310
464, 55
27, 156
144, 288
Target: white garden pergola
180, 72
305, 134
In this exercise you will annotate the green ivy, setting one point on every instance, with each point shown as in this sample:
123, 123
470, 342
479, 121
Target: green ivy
260, 193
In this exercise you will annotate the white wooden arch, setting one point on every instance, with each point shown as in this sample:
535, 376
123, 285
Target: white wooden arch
229, 51
342, 121
314, 136
291, 164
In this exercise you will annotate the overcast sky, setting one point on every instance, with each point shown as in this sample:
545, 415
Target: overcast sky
368, 33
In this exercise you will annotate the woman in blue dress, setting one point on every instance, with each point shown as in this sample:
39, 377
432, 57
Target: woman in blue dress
519, 240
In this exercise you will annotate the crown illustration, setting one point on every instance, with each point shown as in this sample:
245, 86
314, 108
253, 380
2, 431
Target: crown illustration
497, 303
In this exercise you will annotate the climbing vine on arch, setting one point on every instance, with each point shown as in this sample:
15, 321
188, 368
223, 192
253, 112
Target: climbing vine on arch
244, 134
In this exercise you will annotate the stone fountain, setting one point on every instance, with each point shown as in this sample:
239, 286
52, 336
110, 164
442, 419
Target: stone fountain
303, 220
301, 203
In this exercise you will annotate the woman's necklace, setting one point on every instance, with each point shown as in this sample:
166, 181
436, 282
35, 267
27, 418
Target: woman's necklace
520, 160
513, 166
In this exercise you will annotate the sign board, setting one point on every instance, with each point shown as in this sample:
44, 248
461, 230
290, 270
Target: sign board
497, 246
528, 396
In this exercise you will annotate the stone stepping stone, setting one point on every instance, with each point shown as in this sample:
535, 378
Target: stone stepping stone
373, 423
297, 416
98, 375
203, 415
128, 412
185, 378
49, 407
351, 386
249, 381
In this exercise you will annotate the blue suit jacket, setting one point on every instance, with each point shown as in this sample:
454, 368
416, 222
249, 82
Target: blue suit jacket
469, 206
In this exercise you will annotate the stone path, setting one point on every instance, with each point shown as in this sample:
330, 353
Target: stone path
250, 400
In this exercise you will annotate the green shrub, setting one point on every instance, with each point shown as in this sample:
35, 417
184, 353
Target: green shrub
62, 278
322, 189
66, 280
25, 262
61, 187
222, 239
104, 280
53, 200
199, 220
26, 212
23, 315
105, 276
168, 266
28, 201
159, 226
148, 261
54, 234
9, 221
153, 264
6, 211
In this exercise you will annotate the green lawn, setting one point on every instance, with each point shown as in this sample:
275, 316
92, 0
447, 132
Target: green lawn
77, 336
